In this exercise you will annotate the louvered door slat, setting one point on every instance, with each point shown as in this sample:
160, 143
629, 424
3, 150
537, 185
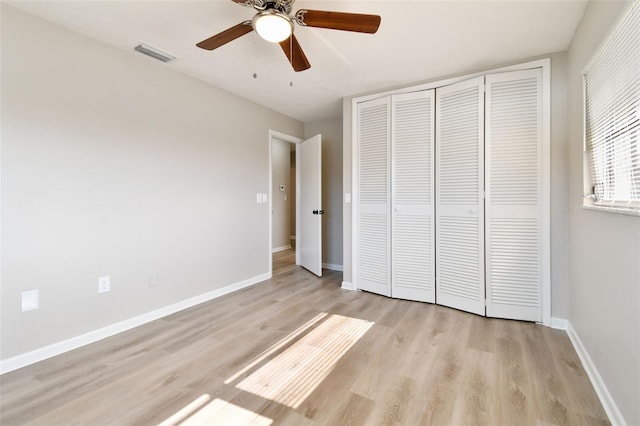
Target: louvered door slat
514, 176
372, 272
412, 196
459, 188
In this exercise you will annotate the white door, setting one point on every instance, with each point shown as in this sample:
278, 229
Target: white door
412, 176
372, 269
309, 162
515, 193
460, 196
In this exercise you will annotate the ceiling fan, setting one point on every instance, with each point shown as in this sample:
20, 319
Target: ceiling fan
274, 23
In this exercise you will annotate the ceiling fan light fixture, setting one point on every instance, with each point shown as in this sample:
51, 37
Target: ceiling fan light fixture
273, 26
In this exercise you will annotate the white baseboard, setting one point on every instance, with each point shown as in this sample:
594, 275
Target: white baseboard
332, 266
610, 407
58, 348
281, 248
559, 323
346, 285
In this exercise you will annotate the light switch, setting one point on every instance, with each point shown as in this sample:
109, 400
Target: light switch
347, 197
30, 300
264, 197
259, 198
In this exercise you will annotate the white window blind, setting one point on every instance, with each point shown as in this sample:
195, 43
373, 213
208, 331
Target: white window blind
612, 115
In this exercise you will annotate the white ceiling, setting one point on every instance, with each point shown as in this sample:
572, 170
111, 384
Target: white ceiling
417, 41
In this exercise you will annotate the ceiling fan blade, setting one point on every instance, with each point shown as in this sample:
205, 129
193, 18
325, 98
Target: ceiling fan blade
357, 22
244, 2
294, 53
226, 36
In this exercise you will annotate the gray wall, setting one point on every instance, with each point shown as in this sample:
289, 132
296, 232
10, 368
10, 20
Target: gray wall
559, 188
331, 131
292, 193
604, 248
347, 185
113, 164
559, 182
280, 172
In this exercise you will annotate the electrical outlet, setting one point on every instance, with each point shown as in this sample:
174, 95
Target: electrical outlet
30, 300
104, 284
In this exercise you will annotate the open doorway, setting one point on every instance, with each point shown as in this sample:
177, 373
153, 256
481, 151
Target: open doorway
307, 197
283, 205
283, 250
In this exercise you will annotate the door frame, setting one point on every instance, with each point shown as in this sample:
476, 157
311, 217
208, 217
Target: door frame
274, 134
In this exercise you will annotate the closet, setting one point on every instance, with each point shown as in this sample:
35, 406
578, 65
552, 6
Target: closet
451, 194
395, 197
459, 195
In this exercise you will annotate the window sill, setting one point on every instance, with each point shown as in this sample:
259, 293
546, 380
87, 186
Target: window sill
613, 209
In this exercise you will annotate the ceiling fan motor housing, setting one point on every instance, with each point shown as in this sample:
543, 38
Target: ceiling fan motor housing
284, 6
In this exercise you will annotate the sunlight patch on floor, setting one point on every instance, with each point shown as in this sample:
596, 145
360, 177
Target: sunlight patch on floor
216, 412
290, 377
277, 347
186, 411
221, 412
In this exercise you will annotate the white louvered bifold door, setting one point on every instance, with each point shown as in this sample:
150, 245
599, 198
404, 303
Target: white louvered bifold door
459, 196
514, 190
412, 223
373, 263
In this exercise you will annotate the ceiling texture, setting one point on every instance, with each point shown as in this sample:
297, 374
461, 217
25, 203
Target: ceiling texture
417, 41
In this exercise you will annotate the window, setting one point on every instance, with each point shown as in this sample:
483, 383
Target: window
612, 116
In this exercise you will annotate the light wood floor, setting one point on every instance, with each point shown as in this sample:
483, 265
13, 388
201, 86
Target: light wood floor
299, 350
284, 261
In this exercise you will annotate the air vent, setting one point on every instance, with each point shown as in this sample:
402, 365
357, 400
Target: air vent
154, 53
